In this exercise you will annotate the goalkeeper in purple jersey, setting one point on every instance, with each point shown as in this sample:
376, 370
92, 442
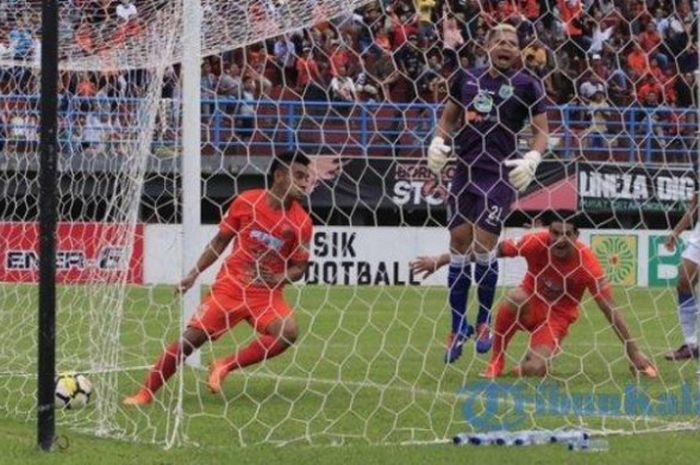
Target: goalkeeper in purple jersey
487, 107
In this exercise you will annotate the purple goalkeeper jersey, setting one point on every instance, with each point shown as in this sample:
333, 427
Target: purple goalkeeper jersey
494, 110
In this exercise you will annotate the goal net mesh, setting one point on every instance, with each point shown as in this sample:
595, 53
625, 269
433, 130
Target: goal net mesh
358, 86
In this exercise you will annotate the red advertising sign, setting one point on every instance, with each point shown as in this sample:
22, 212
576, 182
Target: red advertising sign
85, 252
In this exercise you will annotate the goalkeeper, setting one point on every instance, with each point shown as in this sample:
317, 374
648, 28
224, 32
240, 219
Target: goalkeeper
487, 108
545, 304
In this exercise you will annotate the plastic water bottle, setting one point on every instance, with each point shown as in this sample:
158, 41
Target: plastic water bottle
589, 445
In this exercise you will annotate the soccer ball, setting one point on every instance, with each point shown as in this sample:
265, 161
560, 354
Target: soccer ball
72, 391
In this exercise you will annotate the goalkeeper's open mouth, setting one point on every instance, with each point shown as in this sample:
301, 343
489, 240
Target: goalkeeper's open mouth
503, 60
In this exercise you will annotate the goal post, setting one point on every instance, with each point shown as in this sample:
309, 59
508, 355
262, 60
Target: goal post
48, 173
191, 153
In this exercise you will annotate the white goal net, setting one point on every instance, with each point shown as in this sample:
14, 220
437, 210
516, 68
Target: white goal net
358, 86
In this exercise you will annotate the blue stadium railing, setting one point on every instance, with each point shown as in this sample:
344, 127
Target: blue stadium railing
634, 134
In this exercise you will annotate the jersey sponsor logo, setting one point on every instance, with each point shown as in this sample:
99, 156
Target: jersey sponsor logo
268, 239
506, 91
483, 103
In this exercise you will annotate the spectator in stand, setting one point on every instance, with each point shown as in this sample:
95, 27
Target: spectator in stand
637, 62
309, 80
85, 91
285, 54
21, 41
570, 14
95, 133
648, 85
536, 59
209, 83
676, 34
230, 83
339, 55
343, 91
530, 9
385, 73
500, 11
590, 85
424, 8
245, 123
365, 88
613, 46
600, 70
411, 61
600, 33
401, 24
650, 40
597, 136
256, 61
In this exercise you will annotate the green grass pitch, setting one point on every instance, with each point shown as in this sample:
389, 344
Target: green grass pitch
366, 375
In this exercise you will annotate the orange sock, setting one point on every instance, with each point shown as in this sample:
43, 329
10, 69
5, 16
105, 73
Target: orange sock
165, 367
261, 349
506, 327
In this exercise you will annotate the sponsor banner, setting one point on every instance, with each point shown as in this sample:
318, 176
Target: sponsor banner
618, 188
376, 256
618, 255
85, 252
407, 183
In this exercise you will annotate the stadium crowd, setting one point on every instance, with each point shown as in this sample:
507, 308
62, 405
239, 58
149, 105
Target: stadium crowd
600, 55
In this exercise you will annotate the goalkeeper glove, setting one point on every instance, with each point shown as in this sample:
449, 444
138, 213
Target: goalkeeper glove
437, 155
523, 171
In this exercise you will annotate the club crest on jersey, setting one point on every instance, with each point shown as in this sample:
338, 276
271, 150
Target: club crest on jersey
483, 103
506, 91
269, 240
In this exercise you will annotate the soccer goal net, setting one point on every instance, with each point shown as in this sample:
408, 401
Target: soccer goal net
358, 86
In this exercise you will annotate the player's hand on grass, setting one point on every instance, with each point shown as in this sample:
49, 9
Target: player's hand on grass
184, 285
523, 169
671, 241
425, 265
438, 152
642, 365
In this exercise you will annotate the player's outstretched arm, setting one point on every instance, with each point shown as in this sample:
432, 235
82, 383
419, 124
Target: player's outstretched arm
639, 361
428, 265
688, 219
211, 253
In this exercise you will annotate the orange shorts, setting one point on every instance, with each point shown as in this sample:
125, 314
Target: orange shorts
548, 325
226, 306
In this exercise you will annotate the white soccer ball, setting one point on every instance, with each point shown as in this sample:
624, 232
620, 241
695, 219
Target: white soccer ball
73, 391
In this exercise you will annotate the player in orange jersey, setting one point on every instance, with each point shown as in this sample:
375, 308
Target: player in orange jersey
272, 232
559, 270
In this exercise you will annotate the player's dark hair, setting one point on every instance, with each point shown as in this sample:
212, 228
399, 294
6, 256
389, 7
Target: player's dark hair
571, 217
284, 161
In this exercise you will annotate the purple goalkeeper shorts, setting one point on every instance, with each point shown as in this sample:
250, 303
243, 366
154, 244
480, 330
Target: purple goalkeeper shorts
480, 197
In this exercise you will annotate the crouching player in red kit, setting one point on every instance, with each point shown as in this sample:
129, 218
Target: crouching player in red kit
272, 232
559, 270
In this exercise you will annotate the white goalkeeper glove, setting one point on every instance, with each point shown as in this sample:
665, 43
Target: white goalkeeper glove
438, 152
523, 169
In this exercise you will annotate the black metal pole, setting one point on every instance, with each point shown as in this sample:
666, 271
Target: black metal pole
48, 203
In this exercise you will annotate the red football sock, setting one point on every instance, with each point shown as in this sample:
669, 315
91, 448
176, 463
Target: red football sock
264, 347
165, 367
506, 326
